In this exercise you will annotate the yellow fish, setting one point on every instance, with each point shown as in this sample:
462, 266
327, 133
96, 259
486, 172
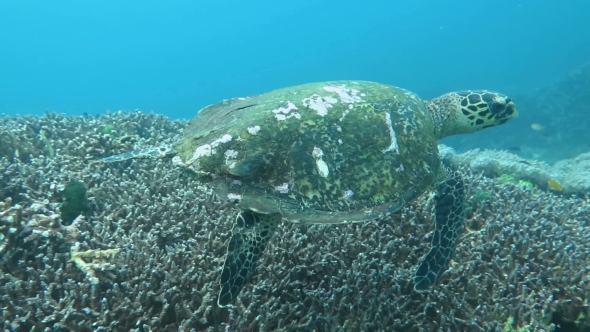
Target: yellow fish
537, 126
555, 185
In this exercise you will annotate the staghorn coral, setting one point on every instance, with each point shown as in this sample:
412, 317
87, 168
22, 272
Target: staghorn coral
522, 262
90, 261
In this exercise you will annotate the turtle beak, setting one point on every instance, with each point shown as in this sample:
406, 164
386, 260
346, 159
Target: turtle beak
510, 109
498, 105
503, 107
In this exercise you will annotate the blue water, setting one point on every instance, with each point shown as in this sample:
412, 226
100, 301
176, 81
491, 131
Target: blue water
174, 57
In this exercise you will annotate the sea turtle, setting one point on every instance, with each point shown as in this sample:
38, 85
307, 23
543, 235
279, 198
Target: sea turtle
330, 152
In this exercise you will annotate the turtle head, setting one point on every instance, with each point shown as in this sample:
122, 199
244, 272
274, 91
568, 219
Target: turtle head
469, 111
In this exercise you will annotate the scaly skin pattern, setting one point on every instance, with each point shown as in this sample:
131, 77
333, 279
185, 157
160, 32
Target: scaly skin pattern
449, 218
250, 235
466, 112
324, 152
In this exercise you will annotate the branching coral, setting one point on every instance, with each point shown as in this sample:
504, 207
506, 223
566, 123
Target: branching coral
90, 261
523, 258
23, 225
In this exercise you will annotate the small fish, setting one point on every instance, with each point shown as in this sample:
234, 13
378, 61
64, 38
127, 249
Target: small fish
555, 185
538, 127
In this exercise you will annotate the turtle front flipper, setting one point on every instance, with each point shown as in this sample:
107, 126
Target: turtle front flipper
153, 152
250, 236
449, 219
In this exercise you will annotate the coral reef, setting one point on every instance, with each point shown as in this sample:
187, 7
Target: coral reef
572, 174
147, 253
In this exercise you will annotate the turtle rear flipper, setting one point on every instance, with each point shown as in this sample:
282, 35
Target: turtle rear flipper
449, 219
250, 236
152, 152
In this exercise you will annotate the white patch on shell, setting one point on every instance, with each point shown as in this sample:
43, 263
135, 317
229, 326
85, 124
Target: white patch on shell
230, 158
177, 161
344, 114
283, 113
339, 141
347, 96
202, 151
234, 197
209, 149
224, 139
283, 189
205, 150
317, 152
393, 145
319, 104
321, 165
323, 169
283, 117
348, 194
254, 130
330, 99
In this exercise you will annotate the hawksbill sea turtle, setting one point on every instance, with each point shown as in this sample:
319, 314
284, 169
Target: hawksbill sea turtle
330, 152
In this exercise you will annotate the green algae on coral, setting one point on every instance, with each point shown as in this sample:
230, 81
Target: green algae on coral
109, 130
526, 184
505, 178
480, 197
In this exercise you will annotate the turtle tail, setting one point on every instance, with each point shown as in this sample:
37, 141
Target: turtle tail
449, 220
250, 235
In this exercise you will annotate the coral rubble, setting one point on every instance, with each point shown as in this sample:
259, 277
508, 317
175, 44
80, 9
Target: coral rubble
147, 252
